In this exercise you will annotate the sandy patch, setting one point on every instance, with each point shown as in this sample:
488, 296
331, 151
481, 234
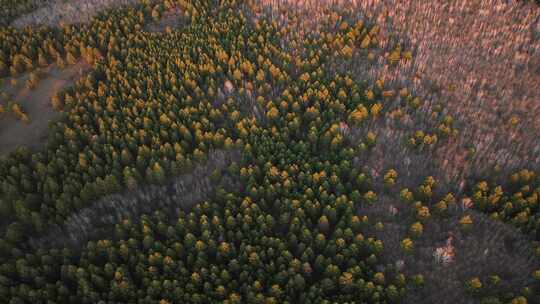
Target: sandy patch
36, 103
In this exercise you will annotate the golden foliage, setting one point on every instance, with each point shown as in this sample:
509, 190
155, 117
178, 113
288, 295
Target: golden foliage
359, 114
365, 42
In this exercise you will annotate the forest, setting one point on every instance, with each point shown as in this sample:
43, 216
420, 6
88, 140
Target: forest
227, 151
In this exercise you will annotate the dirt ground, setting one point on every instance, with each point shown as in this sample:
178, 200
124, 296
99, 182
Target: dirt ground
55, 12
173, 18
36, 103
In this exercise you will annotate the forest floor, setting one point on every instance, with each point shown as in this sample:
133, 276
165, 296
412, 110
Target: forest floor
55, 12
172, 18
36, 104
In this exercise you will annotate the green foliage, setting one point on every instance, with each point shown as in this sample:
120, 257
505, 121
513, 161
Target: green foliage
146, 112
11, 9
152, 108
517, 202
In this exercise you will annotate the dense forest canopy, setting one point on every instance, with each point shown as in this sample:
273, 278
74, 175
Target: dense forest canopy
240, 157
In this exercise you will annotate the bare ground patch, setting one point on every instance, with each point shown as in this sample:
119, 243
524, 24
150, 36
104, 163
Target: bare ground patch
173, 18
68, 12
36, 104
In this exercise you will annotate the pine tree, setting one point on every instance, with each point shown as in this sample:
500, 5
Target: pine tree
70, 58
158, 173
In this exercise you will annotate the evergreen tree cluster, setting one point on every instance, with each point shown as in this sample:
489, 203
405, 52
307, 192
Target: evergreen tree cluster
156, 105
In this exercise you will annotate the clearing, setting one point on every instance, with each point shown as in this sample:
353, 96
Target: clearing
173, 18
60, 11
36, 104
